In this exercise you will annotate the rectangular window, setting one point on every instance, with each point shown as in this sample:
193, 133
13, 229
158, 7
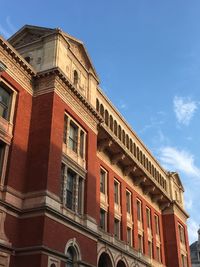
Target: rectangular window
140, 243
184, 260
116, 192
103, 219
73, 136
148, 213
158, 254
72, 189
139, 210
82, 139
129, 236
2, 152
5, 102
117, 228
80, 195
157, 224
150, 249
103, 181
128, 201
65, 129
181, 234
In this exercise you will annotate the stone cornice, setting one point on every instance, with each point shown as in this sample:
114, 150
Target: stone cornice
16, 56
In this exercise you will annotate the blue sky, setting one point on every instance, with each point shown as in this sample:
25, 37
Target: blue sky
147, 54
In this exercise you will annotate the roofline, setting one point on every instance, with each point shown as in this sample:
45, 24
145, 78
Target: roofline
11, 51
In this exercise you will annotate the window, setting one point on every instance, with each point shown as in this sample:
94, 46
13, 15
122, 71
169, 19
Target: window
129, 236
158, 254
73, 185
157, 224
5, 102
117, 228
74, 136
116, 192
70, 257
128, 201
139, 210
181, 234
70, 189
140, 243
75, 77
103, 181
148, 213
184, 260
2, 152
103, 217
150, 249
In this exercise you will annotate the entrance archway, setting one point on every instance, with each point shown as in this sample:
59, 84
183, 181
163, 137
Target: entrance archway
104, 260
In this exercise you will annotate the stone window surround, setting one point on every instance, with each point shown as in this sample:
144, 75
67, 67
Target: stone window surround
7, 125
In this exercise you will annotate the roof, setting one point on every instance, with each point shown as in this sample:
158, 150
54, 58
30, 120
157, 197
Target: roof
29, 33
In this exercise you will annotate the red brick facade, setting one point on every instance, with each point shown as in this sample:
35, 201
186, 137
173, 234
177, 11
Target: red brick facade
52, 190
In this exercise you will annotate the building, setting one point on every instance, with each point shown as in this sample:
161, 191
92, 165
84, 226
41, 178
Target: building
195, 252
78, 187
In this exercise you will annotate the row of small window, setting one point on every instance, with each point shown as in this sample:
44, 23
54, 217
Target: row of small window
114, 127
117, 234
72, 189
103, 190
74, 137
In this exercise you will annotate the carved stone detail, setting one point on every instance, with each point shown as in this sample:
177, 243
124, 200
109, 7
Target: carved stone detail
16, 71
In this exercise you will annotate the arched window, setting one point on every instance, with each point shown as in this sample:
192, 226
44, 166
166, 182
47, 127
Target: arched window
131, 145
97, 104
106, 117
134, 149
138, 153
140, 156
70, 257
115, 127
111, 123
75, 77
119, 133
53, 265
102, 110
144, 162
127, 141
123, 137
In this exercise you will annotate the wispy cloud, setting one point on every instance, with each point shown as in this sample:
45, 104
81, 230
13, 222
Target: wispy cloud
184, 109
178, 160
8, 29
4, 32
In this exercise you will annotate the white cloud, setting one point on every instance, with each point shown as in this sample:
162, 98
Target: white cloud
178, 160
184, 109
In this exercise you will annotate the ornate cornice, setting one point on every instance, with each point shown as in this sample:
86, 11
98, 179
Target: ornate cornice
62, 79
16, 56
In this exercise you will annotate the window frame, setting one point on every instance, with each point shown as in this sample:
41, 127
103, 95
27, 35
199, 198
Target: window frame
128, 202
77, 206
77, 143
103, 183
116, 192
139, 210
117, 228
